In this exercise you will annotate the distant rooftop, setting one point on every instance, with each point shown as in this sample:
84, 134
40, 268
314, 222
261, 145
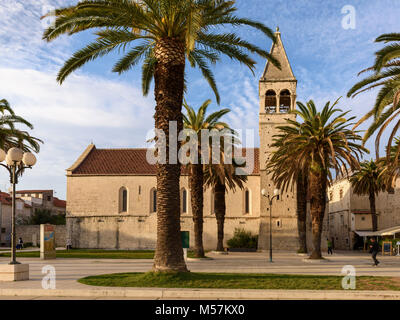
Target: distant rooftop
33, 191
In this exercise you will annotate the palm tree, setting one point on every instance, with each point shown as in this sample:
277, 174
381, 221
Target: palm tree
367, 180
386, 76
221, 177
163, 34
318, 145
276, 166
10, 135
197, 122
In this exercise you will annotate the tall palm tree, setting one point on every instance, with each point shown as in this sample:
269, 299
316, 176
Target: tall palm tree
276, 166
367, 180
319, 144
10, 135
386, 75
162, 34
221, 178
197, 122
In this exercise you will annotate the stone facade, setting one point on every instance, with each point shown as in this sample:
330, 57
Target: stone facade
31, 233
22, 213
349, 212
42, 200
94, 219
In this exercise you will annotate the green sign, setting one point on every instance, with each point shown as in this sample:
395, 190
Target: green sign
185, 239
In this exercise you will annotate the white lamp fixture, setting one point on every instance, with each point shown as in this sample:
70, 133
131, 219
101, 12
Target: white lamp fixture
29, 159
9, 162
264, 192
15, 154
276, 192
16, 161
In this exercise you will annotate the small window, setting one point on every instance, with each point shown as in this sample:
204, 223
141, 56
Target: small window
140, 190
48, 198
153, 200
123, 200
279, 223
247, 202
184, 201
362, 218
3, 230
341, 193
330, 196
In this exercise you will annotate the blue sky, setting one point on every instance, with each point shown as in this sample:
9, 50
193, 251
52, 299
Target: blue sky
95, 105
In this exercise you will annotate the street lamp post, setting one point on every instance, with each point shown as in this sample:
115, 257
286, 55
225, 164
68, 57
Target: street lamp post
270, 199
13, 160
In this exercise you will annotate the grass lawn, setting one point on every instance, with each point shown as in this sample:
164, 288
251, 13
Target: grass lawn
94, 254
237, 281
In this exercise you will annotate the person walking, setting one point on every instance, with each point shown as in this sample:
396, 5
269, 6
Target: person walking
330, 246
20, 244
69, 244
374, 249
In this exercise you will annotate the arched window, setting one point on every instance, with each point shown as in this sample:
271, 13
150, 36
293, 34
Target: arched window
247, 201
284, 101
270, 101
123, 200
184, 201
212, 202
153, 200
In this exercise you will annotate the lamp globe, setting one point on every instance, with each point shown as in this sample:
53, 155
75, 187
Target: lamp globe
29, 159
15, 154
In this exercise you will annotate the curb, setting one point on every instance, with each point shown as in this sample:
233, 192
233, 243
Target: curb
207, 294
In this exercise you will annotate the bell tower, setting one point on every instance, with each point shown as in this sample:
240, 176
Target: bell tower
277, 93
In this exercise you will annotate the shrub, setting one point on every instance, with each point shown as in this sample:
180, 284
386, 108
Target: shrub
28, 244
243, 239
42, 216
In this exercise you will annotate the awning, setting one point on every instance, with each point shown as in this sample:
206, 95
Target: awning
384, 232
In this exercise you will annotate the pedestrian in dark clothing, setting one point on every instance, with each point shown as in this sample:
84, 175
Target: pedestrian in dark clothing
20, 244
374, 249
330, 246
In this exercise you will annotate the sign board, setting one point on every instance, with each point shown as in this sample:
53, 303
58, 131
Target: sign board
387, 248
47, 241
185, 239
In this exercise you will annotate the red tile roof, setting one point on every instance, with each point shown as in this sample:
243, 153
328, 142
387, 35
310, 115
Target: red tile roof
5, 198
59, 203
125, 162
32, 191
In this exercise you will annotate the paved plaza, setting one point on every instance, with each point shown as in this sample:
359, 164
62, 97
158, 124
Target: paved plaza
68, 271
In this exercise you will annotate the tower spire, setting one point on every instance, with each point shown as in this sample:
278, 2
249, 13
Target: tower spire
278, 52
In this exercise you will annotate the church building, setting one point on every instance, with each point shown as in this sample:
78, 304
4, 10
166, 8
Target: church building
111, 193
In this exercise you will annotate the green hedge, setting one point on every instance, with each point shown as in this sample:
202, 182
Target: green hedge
243, 239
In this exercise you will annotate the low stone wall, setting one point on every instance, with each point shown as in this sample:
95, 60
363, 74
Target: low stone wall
31, 233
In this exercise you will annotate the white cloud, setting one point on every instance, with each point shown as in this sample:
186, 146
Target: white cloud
84, 109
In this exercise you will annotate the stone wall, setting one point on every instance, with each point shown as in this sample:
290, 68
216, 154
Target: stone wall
94, 220
130, 232
31, 233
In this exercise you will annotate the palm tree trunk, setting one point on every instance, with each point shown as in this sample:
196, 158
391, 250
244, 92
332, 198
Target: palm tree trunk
169, 86
220, 209
318, 185
372, 206
302, 213
196, 192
